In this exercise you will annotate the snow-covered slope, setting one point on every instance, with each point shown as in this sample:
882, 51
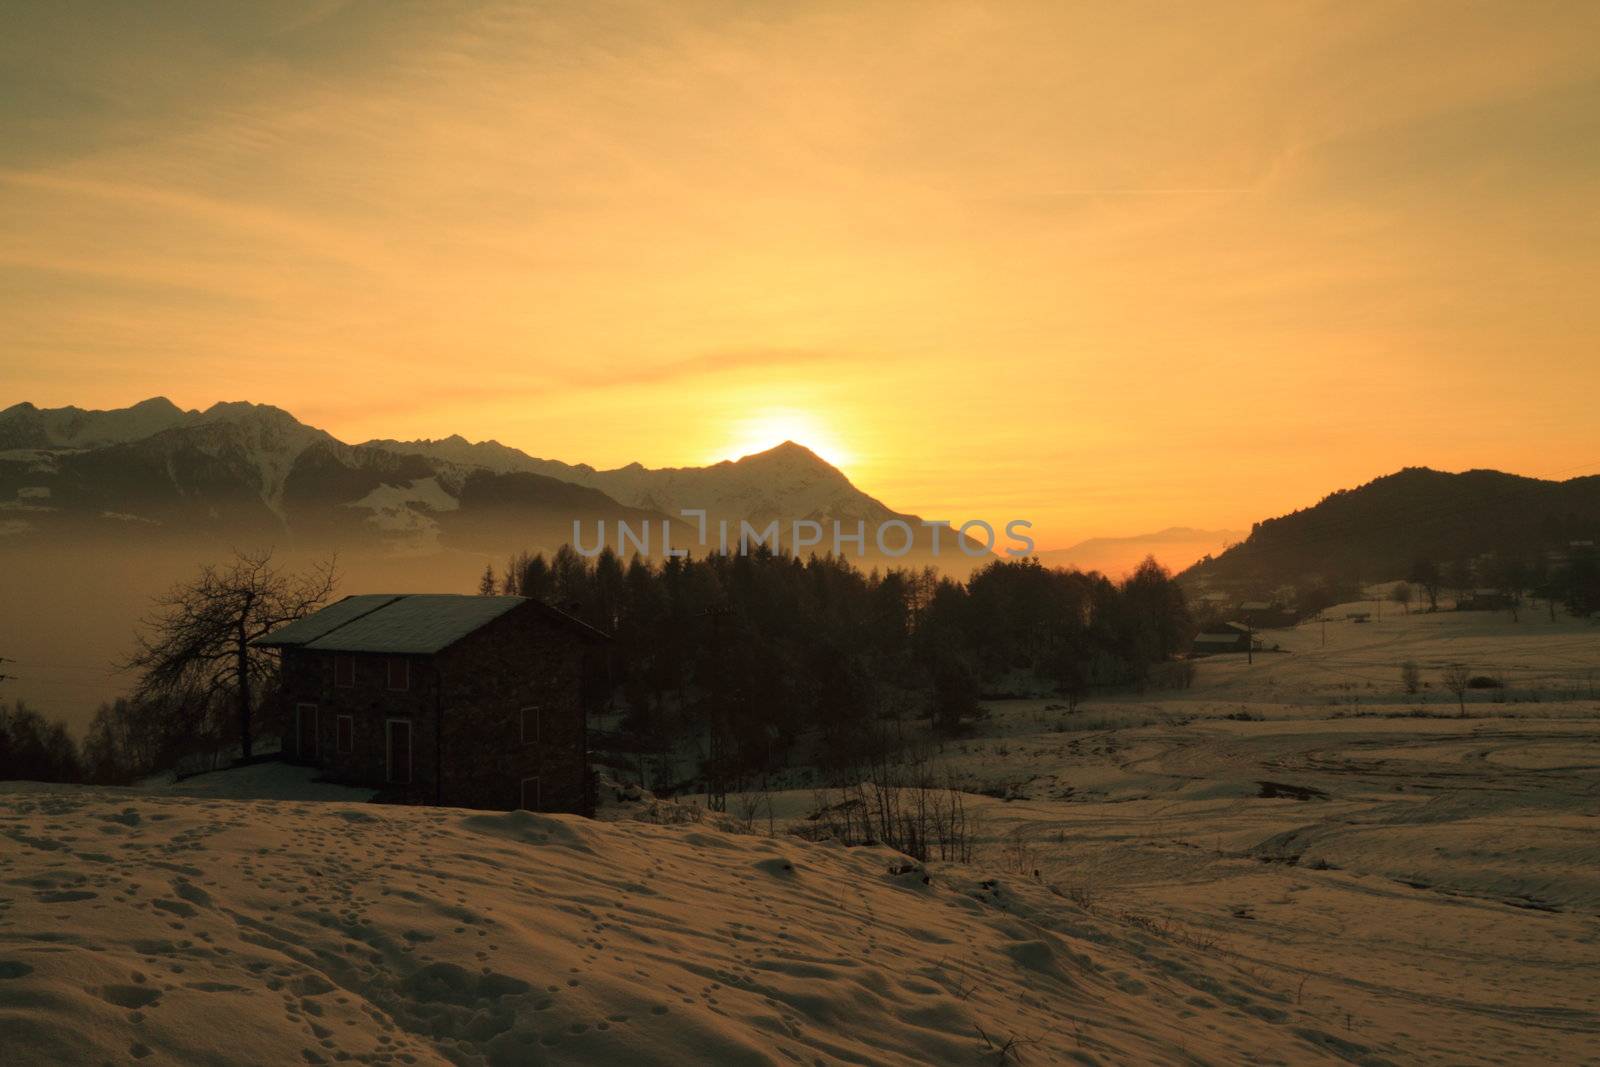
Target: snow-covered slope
169, 930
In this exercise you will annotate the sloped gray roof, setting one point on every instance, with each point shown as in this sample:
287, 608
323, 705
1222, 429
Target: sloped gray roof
304, 631
401, 623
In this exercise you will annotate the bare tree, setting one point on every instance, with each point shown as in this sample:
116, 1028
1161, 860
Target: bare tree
1410, 676
197, 640
1457, 678
1401, 594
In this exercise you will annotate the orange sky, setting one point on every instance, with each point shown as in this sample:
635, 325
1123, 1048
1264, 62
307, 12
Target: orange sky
1106, 267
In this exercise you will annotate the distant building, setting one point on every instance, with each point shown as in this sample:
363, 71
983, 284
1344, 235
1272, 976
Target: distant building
465, 701
1222, 637
1484, 600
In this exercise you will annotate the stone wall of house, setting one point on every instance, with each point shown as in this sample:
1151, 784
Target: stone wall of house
524, 659
308, 677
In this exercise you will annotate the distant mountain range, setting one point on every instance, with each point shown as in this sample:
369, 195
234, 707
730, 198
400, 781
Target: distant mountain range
1376, 531
1176, 547
252, 473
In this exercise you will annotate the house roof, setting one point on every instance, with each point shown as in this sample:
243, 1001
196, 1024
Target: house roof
1218, 639
404, 623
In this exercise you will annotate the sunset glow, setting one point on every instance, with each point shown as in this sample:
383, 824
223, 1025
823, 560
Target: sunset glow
768, 429
1107, 270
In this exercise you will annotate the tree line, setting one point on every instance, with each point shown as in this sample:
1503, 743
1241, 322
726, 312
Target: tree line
751, 654
128, 740
1572, 579
758, 652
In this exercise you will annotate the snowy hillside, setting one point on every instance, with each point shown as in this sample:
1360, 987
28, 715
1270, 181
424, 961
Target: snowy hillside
203, 931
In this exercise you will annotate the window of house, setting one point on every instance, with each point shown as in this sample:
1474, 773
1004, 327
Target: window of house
398, 733
399, 672
344, 672
532, 723
345, 734
532, 796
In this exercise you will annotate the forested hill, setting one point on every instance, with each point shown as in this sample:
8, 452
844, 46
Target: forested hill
1377, 531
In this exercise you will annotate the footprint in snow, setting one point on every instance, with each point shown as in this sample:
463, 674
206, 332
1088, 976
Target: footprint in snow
129, 996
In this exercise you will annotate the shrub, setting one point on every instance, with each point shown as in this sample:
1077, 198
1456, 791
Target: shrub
901, 805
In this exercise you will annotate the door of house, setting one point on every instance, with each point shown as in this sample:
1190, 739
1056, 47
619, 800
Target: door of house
305, 731
399, 769
532, 798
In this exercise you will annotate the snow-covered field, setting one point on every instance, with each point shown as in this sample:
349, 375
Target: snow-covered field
1294, 861
188, 930
1427, 885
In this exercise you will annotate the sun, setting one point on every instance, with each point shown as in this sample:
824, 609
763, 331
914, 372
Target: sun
773, 426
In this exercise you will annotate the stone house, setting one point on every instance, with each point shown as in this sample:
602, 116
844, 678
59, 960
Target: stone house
463, 701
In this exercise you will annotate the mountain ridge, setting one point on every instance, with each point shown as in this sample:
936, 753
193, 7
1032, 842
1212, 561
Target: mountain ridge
1377, 530
243, 470
758, 487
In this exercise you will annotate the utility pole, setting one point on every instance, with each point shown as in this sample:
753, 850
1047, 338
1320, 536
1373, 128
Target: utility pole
1324, 631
